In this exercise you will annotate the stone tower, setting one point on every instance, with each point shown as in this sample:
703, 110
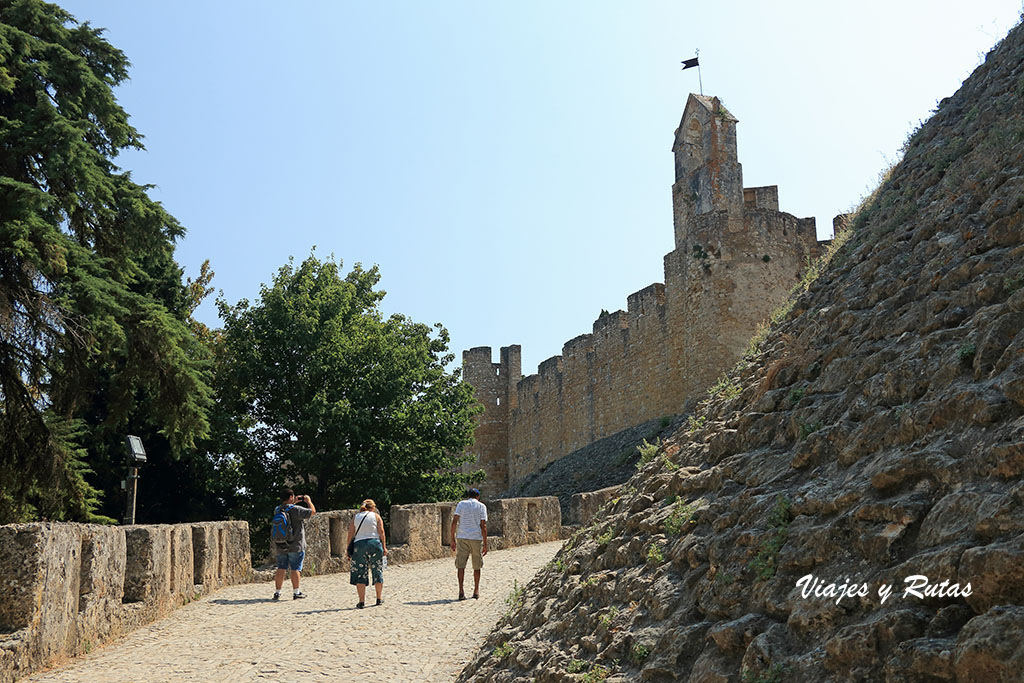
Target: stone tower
735, 260
709, 176
736, 256
494, 385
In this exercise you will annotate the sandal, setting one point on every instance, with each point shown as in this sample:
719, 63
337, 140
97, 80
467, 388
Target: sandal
476, 596
462, 596
380, 601
360, 605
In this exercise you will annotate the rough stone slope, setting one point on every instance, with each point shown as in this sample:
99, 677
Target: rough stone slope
876, 434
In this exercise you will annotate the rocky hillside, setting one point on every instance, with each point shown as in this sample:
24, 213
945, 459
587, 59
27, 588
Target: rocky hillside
606, 462
874, 436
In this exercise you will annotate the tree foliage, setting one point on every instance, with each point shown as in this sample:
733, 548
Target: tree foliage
318, 390
93, 313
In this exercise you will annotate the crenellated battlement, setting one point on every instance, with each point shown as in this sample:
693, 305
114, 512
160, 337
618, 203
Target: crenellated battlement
551, 367
607, 324
578, 346
647, 301
766, 197
736, 257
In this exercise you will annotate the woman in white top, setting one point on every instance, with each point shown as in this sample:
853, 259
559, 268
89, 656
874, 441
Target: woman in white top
370, 547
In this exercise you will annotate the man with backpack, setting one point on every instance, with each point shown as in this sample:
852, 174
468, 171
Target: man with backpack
289, 539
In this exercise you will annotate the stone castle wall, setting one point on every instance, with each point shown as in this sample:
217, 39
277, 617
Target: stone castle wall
67, 588
735, 260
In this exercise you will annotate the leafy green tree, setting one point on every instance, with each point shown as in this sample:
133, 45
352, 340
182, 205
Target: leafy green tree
93, 331
323, 393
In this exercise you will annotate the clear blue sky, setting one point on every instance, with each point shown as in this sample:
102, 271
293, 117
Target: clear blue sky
508, 165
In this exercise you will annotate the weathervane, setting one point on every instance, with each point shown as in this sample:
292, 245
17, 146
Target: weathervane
687, 63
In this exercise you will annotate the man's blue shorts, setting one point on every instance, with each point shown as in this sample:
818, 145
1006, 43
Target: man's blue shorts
291, 561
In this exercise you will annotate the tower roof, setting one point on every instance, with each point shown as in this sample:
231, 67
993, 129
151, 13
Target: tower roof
712, 104
706, 108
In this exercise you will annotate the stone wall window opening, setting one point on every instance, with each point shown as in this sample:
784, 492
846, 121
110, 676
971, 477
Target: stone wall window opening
446, 524
85, 573
497, 370
532, 516
222, 551
172, 561
133, 590
337, 537
198, 555
498, 401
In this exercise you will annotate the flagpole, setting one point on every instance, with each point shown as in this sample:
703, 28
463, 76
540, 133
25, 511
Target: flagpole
700, 81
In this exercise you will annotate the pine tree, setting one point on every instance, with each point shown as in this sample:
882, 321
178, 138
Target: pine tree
93, 313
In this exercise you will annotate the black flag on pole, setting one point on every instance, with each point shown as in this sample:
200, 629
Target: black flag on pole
687, 63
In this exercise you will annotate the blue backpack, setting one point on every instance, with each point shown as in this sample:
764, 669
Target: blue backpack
281, 530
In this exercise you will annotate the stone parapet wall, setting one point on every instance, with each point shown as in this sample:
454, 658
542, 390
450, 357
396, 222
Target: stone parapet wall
423, 531
66, 588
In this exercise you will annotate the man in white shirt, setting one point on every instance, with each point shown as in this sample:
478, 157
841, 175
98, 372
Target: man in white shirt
469, 538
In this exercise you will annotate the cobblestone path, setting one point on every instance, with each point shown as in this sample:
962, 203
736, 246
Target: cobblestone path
420, 633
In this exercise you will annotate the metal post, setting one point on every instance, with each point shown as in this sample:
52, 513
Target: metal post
132, 484
700, 81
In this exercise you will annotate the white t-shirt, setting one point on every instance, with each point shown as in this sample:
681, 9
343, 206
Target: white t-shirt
368, 528
470, 511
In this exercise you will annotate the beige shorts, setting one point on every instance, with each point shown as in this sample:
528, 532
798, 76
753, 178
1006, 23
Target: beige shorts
464, 547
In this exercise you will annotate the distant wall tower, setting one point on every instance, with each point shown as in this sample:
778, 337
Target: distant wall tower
494, 385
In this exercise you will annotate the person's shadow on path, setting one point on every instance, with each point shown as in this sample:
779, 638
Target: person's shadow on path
445, 601
247, 601
326, 611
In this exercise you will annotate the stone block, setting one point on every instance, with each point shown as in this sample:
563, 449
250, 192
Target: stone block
147, 575
318, 543
221, 554
418, 527
21, 556
237, 558
182, 563
101, 582
584, 506
543, 519
508, 518
53, 592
